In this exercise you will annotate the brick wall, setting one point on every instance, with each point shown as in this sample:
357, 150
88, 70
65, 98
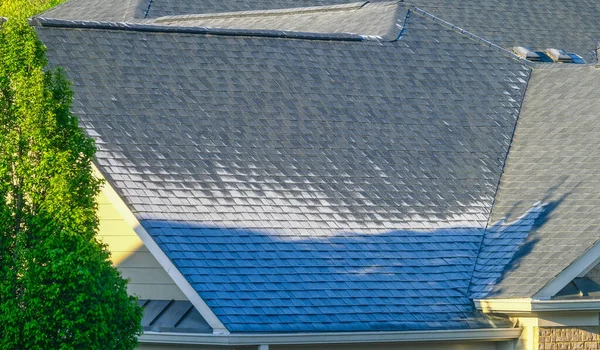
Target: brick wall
559, 338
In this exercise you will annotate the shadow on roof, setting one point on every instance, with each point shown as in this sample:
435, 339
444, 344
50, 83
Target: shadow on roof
258, 281
505, 246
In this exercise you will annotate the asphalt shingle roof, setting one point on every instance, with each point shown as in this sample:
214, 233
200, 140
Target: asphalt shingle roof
377, 19
99, 10
161, 8
133, 10
554, 159
568, 25
305, 185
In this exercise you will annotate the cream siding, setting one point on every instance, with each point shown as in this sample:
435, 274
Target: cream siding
147, 279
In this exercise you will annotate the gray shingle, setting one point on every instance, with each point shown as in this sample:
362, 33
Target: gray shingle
553, 159
377, 19
99, 10
161, 8
569, 25
305, 185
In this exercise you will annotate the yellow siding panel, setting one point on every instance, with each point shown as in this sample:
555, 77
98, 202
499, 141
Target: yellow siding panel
146, 275
140, 259
112, 227
147, 279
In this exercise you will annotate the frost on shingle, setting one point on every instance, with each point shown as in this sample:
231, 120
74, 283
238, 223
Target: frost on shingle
305, 185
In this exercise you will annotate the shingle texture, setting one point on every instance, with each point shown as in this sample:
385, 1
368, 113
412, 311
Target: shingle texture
377, 19
554, 159
99, 10
304, 185
568, 25
161, 8
133, 10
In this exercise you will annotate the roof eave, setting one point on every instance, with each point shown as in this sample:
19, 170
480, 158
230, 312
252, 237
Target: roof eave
187, 289
491, 334
577, 268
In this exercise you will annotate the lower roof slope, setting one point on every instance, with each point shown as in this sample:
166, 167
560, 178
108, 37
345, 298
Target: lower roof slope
305, 185
554, 159
569, 25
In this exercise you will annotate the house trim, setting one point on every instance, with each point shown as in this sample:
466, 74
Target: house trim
493, 334
527, 305
187, 289
579, 267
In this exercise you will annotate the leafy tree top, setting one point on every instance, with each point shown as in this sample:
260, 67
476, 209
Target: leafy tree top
58, 289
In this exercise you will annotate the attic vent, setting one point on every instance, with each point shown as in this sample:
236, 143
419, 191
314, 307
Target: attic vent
564, 57
526, 53
559, 55
550, 55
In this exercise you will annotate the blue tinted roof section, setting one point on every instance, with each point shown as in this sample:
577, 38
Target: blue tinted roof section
268, 282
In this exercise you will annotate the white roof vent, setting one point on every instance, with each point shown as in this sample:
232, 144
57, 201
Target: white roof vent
559, 55
526, 53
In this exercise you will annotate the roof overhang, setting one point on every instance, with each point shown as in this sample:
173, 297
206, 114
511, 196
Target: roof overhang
187, 289
492, 334
527, 305
577, 268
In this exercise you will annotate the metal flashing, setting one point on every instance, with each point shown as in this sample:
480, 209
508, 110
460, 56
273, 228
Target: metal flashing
138, 27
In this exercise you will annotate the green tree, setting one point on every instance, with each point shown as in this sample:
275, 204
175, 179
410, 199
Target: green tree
58, 289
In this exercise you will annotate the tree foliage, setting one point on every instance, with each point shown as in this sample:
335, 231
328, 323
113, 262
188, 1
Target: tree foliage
58, 289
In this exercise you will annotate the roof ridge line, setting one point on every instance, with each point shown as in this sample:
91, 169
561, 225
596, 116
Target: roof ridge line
152, 28
147, 9
266, 13
470, 35
487, 224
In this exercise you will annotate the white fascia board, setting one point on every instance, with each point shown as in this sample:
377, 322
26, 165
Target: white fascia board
516, 305
492, 334
526, 305
582, 265
187, 289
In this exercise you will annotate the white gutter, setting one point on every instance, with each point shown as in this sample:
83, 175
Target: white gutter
566, 305
493, 334
187, 289
526, 305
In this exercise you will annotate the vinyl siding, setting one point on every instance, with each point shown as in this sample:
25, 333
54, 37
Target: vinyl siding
147, 279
